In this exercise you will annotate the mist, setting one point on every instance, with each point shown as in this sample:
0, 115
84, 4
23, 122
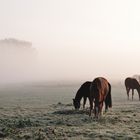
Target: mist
86, 62
68, 40
20, 62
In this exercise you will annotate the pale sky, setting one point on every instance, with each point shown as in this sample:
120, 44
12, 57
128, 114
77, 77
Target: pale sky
77, 39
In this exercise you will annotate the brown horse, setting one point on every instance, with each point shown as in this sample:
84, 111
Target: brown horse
132, 83
100, 92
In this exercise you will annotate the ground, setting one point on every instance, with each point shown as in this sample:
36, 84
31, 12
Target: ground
20, 120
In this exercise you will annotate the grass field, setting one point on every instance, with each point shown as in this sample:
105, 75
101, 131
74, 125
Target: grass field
42, 111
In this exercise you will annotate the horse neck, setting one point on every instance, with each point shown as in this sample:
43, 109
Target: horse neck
78, 96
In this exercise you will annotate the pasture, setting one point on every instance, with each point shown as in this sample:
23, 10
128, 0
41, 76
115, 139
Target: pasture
40, 111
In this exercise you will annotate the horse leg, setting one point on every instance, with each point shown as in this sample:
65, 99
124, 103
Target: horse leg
108, 102
106, 108
106, 105
84, 102
91, 106
96, 112
97, 108
132, 93
128, 89
100, 109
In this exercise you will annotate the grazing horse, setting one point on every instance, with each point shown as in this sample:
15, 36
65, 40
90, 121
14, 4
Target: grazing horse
83, 92
132, 83
100, 92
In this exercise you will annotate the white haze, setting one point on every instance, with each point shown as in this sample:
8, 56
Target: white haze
74, 40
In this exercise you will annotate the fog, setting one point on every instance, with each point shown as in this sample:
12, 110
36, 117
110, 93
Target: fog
86, 63
25, 63
18, 61
69, 40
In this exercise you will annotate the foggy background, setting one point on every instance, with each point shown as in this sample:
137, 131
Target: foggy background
64, 40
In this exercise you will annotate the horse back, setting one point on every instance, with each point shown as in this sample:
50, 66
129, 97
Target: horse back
131, 83
84, 90
99, 88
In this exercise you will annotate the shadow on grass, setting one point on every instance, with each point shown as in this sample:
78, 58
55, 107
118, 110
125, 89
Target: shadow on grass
71, 112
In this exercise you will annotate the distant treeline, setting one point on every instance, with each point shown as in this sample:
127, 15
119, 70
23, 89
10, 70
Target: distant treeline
13, 49
15, 42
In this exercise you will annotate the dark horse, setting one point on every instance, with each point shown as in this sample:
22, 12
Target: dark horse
132, 83
83, 92
100, 92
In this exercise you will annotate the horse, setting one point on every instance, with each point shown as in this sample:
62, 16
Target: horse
132, 83
100, 92
83, 92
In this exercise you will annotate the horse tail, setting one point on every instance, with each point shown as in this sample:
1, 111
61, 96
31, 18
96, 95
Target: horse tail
108, 99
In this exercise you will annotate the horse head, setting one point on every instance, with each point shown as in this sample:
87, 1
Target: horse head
76, 104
